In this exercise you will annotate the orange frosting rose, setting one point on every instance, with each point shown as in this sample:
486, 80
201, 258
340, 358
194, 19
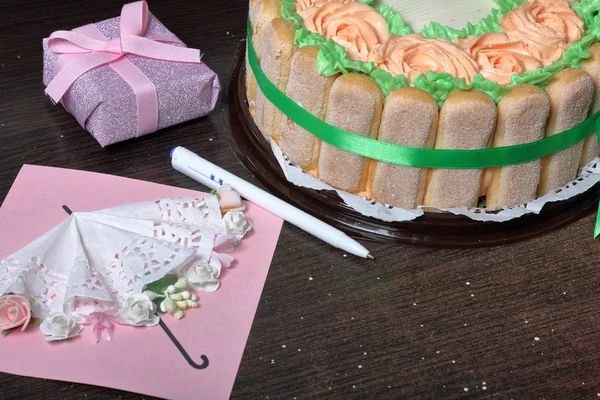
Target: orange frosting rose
307, 7
355, 26
499, 58
413, 55
545, 27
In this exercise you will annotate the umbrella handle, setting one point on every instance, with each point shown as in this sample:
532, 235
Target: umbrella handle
181, 349
168, 332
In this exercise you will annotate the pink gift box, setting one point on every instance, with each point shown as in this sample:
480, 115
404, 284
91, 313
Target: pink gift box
105, 104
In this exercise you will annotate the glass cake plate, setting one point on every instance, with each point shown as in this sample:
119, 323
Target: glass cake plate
430, 230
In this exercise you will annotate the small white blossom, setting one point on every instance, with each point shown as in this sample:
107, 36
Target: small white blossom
140, 310
203, 276
236, 224
60, 327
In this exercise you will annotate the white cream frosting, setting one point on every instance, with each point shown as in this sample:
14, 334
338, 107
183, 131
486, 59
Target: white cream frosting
454, 13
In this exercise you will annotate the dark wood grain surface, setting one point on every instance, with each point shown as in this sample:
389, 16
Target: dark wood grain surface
519, 322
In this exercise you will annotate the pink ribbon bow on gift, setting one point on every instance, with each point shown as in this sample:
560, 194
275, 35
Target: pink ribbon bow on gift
86, 48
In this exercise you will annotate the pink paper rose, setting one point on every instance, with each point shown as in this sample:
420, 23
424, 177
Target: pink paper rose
15, 311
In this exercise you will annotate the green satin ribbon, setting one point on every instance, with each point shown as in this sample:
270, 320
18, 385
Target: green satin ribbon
415, 156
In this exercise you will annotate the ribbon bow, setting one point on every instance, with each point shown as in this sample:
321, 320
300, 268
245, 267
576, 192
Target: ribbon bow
86, 48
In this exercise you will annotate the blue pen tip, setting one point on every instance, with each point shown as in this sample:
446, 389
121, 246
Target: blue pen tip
172, 151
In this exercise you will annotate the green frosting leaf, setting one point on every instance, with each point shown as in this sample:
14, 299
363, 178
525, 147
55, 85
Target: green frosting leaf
494, 90
588, 12
579, 51
395, 22
288, 12
304, 37
438, 85
439, 31
491, 23
387, 81
333, 59
539, 77
367, 2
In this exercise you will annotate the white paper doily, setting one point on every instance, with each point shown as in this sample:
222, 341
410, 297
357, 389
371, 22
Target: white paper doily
587, 178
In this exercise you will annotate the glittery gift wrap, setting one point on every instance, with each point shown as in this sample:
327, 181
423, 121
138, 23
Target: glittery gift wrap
105, 105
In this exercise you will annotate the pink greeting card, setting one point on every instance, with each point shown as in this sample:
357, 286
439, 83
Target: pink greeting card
195, 357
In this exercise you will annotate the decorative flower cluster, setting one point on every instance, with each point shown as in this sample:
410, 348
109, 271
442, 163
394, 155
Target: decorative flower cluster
176, 298
533, 35
173, 293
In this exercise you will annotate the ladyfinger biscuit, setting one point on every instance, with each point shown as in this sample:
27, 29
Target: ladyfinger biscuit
278, 49
570, 93
409, 118
260, 12
467, 121
355, 104
309, 89
592, 67
522, 116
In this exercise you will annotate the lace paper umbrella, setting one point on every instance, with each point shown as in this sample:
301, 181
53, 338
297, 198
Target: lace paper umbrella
96, 261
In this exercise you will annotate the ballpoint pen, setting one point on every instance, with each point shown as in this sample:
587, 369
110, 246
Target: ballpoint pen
213, 176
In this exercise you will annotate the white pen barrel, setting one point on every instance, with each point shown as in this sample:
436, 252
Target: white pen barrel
197, 168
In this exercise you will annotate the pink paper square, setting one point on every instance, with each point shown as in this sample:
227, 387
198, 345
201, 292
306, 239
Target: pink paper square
142, 360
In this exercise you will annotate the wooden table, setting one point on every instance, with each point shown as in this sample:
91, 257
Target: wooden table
520, 321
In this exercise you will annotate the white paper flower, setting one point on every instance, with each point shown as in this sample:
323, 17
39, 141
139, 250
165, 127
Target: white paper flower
168, 305
203, 276
140, 310
60, 327
236, 224
229, 199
